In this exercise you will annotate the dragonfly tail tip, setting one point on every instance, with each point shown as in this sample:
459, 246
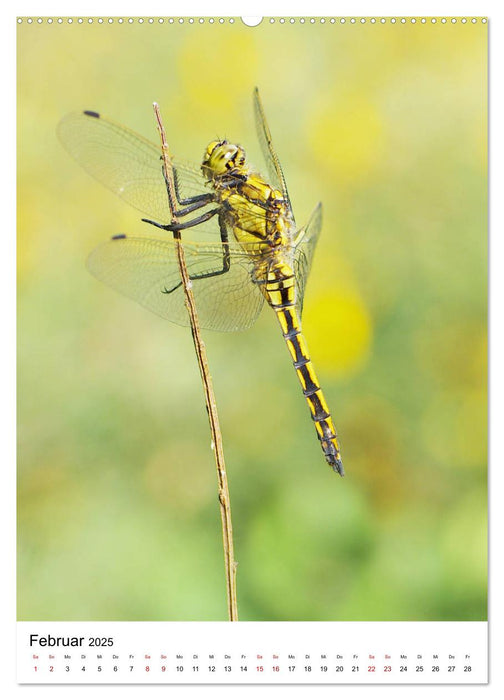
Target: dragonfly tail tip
337, 466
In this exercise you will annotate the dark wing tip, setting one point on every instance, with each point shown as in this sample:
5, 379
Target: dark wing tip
118, 236
89, 113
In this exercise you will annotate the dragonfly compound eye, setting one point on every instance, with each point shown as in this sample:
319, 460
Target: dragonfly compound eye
220, 157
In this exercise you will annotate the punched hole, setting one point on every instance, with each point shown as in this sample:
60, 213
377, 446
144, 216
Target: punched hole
251, 21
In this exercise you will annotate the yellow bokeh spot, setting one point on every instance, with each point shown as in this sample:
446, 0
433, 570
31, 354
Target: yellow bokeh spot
338, 330
202, 80
454, 430
443, 352
346, 136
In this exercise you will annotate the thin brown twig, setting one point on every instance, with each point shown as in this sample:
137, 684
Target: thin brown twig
199, 345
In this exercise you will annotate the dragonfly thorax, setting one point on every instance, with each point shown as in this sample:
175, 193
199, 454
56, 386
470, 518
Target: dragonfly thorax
223, 158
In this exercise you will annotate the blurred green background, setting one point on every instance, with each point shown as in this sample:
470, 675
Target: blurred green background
117, 503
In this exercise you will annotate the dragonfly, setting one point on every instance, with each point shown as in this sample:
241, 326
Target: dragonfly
254, 254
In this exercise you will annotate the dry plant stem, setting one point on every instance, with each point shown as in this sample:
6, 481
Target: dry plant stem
199, 345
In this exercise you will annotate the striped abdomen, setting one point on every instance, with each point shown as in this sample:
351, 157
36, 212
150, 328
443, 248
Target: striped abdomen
280, 292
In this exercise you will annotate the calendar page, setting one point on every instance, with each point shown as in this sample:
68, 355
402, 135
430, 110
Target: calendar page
252, 349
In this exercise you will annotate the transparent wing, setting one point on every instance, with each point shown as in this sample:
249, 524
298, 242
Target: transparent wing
275, 171
125, 162
305, 245
131, 166
145, 269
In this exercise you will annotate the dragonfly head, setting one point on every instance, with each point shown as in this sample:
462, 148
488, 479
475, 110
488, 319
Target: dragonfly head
222, 157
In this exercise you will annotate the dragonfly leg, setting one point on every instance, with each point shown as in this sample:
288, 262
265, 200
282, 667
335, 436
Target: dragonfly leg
205, 197
195, 204
226, 262
189, 204
181, 226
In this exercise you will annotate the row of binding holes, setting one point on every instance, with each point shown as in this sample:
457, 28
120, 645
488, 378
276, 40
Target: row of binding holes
372, 20
231, 20
130, 20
